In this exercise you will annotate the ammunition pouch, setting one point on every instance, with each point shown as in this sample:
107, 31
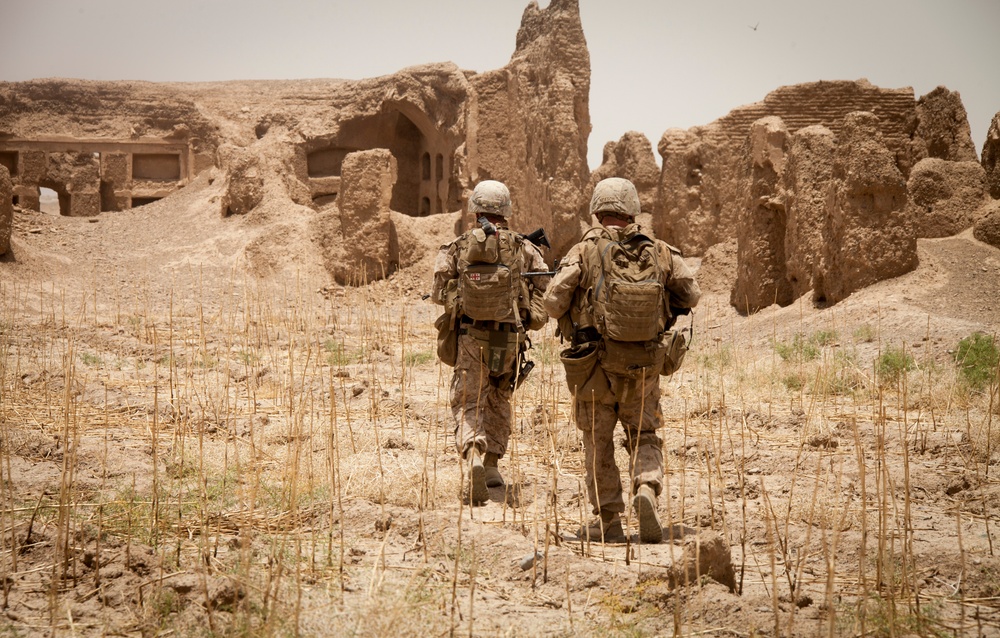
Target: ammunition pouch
632, 360
447, 339
499, 343
585, 379
673, 345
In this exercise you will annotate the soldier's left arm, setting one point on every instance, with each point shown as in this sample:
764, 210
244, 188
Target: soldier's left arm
683, 288
445, 271
536, 287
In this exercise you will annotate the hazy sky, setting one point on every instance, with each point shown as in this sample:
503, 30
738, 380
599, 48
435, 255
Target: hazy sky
656, 64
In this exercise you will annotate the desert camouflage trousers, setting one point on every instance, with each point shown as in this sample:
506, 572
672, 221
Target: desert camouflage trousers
641, 417
481, 405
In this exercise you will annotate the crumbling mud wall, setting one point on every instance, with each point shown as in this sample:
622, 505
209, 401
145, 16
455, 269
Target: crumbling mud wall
945, 197
760, 253
631, 157
275, 148
942, 130
359, 244
6, 209
689, 211
991, 157
868, 236
530, 122
987, 228
807, 180
699, 197
145, 140
822, 213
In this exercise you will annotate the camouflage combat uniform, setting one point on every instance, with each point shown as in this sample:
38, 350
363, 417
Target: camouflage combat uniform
481, 400
634, 402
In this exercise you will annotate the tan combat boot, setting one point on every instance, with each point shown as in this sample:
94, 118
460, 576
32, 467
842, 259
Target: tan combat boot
475, 490
607, 528
493, 477
644, 505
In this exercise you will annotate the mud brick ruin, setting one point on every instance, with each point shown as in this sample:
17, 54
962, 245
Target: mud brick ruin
794, 182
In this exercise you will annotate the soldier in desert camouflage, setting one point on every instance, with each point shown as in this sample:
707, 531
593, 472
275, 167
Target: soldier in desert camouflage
616, 296
489, 306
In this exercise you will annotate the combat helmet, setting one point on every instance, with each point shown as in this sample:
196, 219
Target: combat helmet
615, 195
490, 197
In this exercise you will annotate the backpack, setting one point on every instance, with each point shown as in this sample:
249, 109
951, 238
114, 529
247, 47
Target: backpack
490, 286
628, 296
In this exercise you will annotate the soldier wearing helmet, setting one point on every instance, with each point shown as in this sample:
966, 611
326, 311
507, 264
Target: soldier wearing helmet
489, 307
616, 296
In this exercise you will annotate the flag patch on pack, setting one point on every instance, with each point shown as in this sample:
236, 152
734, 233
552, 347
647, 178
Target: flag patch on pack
473, 276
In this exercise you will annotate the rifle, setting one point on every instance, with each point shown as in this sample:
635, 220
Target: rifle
538, 238
523, 367
543, 273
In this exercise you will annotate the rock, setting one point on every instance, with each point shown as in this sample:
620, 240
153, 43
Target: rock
944, 196
529, 560
957, 485
868, 236
705, 554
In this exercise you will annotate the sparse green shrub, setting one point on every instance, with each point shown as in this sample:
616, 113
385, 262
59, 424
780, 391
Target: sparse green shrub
718, 359
864, 334
823, 337
893, 363
793, 381
885, 619
90, 359
977, 358
839, 376
800, 350
418, 358
338, 353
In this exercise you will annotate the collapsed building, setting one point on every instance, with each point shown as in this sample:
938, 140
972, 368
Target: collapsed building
286, 145
795, 183
823, 187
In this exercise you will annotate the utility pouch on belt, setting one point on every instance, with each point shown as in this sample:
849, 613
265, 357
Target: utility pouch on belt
447, 340
585, 379
674, 346
498, 346
632, 360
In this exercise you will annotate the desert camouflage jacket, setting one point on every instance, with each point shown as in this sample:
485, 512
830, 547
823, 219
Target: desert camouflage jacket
569, 290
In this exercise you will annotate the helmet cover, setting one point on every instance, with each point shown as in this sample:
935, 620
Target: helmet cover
615, 195
490, 197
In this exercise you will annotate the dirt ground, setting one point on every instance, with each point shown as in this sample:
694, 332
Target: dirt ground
195, 444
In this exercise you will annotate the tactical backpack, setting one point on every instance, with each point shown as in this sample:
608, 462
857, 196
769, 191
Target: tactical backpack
490, 286
628, 295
